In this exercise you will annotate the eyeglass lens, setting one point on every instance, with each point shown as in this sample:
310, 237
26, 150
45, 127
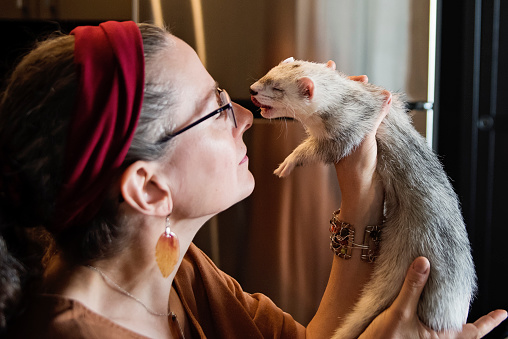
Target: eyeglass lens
226, 99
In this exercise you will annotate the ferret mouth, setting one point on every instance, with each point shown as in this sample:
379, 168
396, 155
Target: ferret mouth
257, 103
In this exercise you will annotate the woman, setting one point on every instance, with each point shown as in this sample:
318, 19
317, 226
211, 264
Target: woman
115, 142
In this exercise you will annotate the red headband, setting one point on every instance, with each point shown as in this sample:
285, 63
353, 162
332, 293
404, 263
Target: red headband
110, 67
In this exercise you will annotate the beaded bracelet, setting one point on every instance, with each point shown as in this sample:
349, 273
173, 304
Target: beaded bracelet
343, 235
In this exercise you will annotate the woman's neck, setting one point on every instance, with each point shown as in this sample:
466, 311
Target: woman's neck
123, 287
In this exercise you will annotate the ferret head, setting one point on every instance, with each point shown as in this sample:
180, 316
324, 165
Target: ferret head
293, 89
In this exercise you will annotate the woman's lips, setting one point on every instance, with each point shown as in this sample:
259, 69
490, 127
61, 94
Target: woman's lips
245, 158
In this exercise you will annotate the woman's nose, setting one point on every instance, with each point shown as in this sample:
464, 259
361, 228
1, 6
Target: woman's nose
244, 117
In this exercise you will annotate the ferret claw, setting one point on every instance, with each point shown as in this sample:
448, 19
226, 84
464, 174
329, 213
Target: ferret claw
284, 169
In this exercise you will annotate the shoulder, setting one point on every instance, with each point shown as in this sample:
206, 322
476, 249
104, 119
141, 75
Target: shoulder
197, 265
218, 307
56, 317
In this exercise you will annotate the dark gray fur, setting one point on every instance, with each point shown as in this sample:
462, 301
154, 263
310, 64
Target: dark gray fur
422, 211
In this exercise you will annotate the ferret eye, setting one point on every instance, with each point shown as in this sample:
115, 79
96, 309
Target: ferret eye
277, 89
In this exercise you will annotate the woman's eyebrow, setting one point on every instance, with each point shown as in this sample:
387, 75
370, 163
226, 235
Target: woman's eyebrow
213, 91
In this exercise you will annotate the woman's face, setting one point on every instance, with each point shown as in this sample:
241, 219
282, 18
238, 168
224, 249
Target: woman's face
207, 164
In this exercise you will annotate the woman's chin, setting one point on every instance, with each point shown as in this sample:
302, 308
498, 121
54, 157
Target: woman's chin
248, 187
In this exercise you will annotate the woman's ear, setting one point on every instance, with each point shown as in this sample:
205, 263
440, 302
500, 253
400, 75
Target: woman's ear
143, 190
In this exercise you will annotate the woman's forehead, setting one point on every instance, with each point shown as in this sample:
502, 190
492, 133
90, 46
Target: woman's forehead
183, 65
194, 86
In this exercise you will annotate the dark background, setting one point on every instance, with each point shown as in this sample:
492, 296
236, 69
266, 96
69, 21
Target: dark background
472, 135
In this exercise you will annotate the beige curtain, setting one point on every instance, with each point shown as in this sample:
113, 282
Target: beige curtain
288, 249
277, 241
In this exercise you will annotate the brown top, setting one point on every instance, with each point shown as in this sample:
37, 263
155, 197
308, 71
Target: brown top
216, 305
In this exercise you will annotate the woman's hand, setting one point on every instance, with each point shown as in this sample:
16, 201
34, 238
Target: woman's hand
362, 161
361, 189
356, 171
400, 320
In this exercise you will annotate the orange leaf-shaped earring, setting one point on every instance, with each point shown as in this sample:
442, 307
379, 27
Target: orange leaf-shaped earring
167, 251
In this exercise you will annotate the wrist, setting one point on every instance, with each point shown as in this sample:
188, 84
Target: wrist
344, 239
364, 205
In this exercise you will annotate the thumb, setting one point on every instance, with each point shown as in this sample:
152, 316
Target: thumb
416, 277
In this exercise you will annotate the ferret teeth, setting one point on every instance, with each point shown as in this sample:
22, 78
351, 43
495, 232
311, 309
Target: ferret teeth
257, 103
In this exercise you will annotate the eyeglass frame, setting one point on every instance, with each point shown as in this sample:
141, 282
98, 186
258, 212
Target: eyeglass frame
228, 105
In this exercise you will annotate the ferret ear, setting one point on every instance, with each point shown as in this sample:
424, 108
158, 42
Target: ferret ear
288, 60
331, 64
306, 86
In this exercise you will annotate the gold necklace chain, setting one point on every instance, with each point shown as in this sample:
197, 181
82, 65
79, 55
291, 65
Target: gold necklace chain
120, 289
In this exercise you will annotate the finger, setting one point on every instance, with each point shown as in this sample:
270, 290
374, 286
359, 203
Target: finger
416, 277
359, 78
486, 323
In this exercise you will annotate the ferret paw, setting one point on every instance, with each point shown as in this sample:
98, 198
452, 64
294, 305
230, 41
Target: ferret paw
284, 169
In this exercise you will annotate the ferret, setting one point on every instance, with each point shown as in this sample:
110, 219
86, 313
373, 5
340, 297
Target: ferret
422, 213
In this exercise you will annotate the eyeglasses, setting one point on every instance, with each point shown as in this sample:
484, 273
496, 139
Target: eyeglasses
225, 105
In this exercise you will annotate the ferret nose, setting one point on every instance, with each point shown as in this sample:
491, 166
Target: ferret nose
252, 92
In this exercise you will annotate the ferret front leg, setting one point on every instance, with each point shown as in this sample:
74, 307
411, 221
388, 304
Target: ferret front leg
305, 153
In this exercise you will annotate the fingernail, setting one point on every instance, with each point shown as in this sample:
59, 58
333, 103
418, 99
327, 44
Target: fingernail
421, 266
